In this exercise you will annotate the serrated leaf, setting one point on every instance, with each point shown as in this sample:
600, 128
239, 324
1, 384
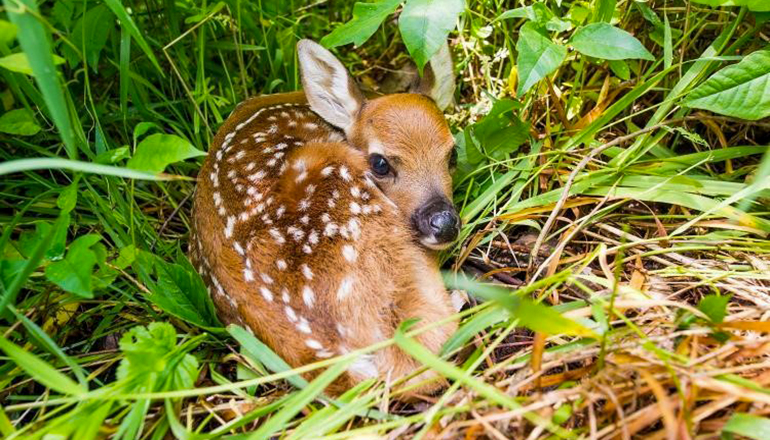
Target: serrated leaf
158, 151
741, 90
425, 25
604, 41
177, 289
538, 57
367, 17
153, 362
19, 122
753, 5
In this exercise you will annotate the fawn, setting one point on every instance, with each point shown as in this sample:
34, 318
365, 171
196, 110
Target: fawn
317, 217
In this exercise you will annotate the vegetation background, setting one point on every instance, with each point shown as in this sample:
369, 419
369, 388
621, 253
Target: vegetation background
611, 181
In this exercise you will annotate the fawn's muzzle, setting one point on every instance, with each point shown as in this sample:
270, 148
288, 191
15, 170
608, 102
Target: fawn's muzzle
437, 223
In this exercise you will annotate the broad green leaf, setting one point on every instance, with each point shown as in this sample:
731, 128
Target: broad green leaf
35, 42
19, 122
68, 197
425, 25
39, 369
500, 132
753, 5
521, 12
741, 90
90, 35
112, 156
177, 289
714, 306
7, 32
538, 57
602, 40
620, 68
74, 272
748, 425
157, 151
19, 63
367, 17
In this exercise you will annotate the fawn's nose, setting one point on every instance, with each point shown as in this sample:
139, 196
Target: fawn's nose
437, 223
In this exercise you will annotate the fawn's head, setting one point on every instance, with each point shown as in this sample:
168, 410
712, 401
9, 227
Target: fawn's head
405, 137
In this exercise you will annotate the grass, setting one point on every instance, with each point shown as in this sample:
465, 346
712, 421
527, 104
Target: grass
648, 220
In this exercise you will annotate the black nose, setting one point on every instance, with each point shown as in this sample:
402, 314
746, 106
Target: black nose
444, 225
437, 222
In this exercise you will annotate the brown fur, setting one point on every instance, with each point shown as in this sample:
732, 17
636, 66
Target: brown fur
366, 273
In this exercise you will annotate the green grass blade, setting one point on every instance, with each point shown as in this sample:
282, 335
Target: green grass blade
40, 370
16, 166
299, 400
128, 23
489, 392
36, 44
260, 352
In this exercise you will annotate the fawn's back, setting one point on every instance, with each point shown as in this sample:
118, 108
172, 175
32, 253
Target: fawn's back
300, 242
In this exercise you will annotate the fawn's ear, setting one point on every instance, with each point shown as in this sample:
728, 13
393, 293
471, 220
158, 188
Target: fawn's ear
438, 79
329, 88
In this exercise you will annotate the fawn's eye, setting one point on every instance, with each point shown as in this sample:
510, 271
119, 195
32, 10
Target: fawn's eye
379, 165
453, 158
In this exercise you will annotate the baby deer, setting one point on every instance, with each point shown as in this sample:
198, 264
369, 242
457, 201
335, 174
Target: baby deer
318, 215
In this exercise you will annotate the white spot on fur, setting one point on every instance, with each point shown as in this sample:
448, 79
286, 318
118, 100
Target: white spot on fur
345, 173
230, 226
266, 293
346, 288
308, 296
291, 314
315, 345
331, 229
349, 253
304, 326
277, 236
281, 264
306, 271
364, 366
